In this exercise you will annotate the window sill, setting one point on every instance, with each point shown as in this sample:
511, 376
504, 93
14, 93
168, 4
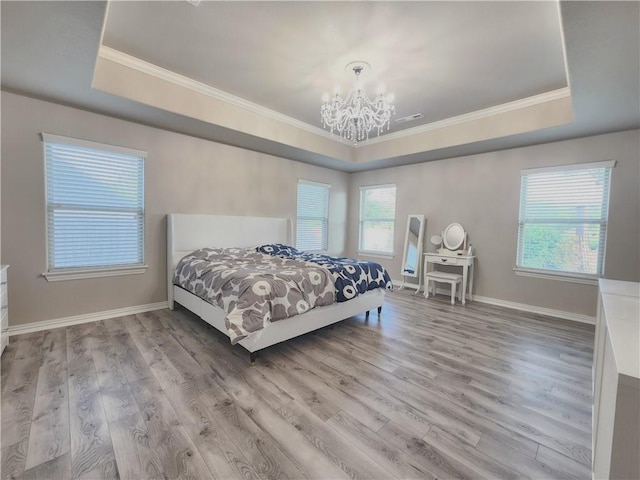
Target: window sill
375, 254
78, 274
559, 276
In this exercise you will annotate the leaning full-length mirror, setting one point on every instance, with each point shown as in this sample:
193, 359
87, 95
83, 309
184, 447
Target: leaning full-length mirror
413, 246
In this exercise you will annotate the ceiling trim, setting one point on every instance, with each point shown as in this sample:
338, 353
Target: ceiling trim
147, 68
135, 63
476, 115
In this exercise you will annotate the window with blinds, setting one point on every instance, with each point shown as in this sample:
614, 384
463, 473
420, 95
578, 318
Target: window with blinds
377, 218
95, 205
563, 219
312, 222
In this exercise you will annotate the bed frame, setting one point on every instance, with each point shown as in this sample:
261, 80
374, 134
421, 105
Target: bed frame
186, 233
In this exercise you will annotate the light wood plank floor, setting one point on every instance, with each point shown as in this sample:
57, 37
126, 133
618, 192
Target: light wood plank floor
429, 391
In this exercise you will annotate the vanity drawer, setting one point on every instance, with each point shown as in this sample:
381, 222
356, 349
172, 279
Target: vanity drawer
444, 260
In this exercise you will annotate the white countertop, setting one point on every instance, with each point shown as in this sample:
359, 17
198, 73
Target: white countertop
618, 287
621, 302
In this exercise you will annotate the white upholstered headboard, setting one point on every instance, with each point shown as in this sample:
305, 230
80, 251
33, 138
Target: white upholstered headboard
188, 232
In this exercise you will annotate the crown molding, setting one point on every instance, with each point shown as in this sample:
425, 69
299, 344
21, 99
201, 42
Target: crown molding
135, 63
475, 115
147, 68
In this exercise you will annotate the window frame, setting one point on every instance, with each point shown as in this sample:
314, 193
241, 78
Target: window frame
562, 275
361, 221
75, 273
325, 240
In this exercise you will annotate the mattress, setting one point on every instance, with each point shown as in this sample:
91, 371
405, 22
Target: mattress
254, 288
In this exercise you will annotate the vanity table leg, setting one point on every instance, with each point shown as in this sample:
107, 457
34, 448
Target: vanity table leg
471, 284
426, 281
465, 271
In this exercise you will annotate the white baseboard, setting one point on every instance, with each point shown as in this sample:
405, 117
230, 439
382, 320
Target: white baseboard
85, 318
398, 284
574, 317
121, 312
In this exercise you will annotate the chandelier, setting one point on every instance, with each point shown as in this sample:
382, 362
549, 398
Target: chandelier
354, 117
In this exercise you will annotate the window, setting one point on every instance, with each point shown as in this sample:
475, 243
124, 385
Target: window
312, 221
563, 219
95, 208
377, 218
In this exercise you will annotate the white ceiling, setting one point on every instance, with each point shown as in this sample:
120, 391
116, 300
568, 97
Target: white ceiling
440, 58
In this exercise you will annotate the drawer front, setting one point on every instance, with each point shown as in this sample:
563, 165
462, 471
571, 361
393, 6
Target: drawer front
3, 296
445, 260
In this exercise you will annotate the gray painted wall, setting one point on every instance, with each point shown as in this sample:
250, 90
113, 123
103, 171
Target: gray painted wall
183, 175
191, 175
482, 193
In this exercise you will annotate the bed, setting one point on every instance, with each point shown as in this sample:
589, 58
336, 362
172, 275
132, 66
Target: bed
187, 233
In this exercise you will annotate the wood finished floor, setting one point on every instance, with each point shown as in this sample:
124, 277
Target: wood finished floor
430, 391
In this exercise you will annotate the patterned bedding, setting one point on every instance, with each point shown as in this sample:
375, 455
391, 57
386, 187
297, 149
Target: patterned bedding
352, 277
253, 288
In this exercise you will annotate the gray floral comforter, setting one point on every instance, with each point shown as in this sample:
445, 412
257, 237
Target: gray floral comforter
253, 288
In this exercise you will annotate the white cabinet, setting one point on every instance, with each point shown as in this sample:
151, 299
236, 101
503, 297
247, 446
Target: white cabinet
616, 371
4, 305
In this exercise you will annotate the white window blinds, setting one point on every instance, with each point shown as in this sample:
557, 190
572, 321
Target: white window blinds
377, 218
563, 218
95, 204
312, 221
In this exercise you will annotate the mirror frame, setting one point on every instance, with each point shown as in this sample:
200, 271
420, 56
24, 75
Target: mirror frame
416, 273
451, 246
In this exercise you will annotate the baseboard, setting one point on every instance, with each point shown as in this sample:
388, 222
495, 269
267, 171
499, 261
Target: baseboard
574, 317
85, 318
120, 312
399, 284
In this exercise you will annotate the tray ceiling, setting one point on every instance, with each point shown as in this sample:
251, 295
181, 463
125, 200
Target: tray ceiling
455, 62
441, 59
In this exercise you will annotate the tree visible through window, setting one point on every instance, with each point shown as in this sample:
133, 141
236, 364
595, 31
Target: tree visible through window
377, 218
563, 218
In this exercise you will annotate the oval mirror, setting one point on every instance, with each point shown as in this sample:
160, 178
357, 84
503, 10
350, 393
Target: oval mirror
453, 236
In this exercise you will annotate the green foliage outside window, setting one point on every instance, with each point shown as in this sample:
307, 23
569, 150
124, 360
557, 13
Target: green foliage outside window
563, 218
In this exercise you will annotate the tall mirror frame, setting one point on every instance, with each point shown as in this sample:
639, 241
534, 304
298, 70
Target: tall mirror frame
413, 247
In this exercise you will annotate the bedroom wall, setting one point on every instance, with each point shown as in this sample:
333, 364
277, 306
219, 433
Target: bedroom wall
482, 193
183, 175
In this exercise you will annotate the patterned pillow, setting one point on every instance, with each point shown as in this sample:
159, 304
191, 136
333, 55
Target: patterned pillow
278, 249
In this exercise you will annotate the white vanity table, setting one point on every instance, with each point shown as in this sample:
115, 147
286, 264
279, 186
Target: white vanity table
463, 261
4, 308
453, 251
